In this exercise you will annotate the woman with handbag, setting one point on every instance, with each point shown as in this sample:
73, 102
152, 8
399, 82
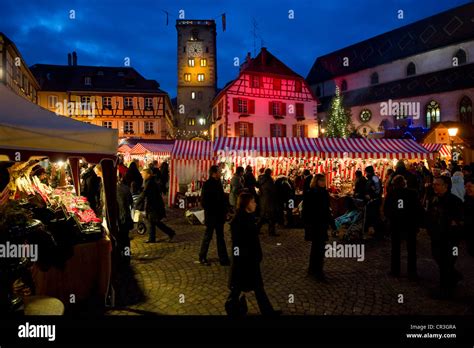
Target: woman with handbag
245, 272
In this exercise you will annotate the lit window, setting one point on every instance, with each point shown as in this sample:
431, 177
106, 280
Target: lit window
52, 101
300, 131
191, 62
200, 77
128, 102
276, 130
107, 102
433, 113
128, 127
187, 77
276, 108
255, 81
203, 62
191, 121
202, 121
243, 106
148, 103
243, 129
87, 81
107, 124
85, 102
193, 95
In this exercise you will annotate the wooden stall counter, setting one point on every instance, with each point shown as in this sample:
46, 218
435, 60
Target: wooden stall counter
85, 276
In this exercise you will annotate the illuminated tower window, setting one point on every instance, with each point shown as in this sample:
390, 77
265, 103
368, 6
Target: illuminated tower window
191, 62
187, 77
433, 113
203, 62
200, 77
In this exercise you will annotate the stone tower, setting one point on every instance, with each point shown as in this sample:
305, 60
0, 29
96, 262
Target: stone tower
197, 76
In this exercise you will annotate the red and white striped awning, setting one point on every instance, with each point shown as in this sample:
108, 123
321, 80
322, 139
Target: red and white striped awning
442, 149
154, 148
372, 148
124, 149
192, 149
265, 147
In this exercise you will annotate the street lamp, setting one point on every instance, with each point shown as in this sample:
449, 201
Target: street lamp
452, 133
322, 132
202, 121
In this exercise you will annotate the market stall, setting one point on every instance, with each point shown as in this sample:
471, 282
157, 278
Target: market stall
147, 152
341, 158
441, 151
30, 134
189, 168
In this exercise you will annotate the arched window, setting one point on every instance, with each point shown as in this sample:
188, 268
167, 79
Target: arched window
411, 69
433, 113
374, 78
465, 110
460, 57
343, 85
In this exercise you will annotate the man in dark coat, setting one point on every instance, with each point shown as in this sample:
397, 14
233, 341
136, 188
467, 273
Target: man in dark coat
359, 185
250, 182
443, 221
404, 212
91, 188
411, 179
268, 202
285, 193
215, 210
125, 222
154, 206
307, 179
317, 219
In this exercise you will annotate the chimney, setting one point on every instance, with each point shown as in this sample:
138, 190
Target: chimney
264, 55
74, 58
244, 65
69, 59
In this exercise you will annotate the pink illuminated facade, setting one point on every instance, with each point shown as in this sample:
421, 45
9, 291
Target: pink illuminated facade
267, 99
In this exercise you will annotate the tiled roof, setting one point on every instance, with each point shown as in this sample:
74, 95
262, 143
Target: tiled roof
265, 62
457, 78
104, 79
446, 28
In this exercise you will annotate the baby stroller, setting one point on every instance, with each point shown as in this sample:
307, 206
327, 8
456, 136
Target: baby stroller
350, 226
138, 217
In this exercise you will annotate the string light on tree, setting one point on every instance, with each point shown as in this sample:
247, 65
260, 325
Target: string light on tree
339, 123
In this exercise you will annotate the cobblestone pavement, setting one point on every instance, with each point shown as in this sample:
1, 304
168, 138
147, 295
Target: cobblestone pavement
167, 280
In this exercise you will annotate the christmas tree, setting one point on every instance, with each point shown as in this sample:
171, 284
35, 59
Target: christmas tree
339, 120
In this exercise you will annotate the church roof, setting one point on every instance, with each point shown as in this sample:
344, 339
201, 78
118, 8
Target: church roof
443, 29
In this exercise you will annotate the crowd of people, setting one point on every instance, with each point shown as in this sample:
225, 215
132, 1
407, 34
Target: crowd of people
440, 200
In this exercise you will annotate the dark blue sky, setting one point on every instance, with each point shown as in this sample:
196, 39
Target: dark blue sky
106, 31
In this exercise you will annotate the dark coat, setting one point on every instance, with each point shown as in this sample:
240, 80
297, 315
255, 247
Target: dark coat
133, 180
91, 188
214, 202
124, 204
152, 199
403, 210
250, 182
245, 269
268, 197
411, 179
359, 187
307, 183
442, 211
317, 214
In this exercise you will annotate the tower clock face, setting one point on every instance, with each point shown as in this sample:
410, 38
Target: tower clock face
195, 49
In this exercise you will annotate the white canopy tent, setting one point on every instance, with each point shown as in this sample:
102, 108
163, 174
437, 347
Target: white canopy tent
27, 128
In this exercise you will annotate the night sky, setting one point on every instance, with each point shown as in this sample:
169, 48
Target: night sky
106, 31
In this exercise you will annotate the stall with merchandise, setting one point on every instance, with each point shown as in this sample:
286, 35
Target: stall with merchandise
190, 161
148, 152
72, 239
